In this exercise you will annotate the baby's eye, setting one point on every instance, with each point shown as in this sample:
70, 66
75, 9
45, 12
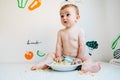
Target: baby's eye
67, 14
62, 16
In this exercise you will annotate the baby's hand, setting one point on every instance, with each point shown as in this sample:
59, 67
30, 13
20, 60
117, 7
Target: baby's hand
76, 61
58, 59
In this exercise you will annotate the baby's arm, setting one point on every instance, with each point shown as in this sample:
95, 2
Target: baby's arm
81, 43
58, 48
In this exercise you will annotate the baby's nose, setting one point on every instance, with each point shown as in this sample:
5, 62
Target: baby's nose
65, 17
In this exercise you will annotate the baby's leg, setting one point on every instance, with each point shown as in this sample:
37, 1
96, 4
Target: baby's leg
42, 65
95, 67
90, 66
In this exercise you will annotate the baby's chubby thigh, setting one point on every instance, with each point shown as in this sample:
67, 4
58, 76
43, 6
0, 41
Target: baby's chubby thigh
50, 57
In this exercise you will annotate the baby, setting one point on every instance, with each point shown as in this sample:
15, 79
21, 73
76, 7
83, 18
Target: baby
70, 42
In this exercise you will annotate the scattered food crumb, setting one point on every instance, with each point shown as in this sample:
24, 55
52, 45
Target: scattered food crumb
81, 72
88, 73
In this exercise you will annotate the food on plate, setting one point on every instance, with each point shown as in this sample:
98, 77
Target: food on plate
60, 63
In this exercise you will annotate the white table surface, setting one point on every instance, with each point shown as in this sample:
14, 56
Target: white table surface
23, 72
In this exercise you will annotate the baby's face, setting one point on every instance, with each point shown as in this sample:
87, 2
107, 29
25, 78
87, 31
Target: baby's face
69, 17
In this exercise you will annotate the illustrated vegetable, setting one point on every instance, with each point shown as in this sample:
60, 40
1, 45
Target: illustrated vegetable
114, 44
116, 54
29, 55
40, 54
35, 4
22, 3
92, 45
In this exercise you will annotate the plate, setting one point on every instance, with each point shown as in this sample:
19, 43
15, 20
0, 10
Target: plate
59, 67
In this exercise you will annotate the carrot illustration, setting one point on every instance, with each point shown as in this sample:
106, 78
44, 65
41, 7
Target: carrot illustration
35, 4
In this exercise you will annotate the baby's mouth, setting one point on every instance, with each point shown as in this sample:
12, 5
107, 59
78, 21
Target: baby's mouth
65, 21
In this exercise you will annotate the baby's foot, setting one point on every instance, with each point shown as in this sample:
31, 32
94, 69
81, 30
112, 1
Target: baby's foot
39, 66
93, 67
34, 68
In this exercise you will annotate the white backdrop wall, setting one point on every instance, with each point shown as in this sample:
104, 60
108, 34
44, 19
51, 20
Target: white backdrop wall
99, 18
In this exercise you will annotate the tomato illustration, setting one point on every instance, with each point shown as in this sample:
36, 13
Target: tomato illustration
29, 55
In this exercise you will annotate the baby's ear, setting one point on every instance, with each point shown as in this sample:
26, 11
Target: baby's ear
77, 17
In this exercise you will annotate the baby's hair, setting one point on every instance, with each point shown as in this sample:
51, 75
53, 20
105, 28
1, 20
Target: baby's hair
70, 5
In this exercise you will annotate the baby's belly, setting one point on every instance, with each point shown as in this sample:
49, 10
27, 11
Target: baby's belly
70, 49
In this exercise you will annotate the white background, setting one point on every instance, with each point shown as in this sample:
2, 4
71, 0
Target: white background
100, 20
